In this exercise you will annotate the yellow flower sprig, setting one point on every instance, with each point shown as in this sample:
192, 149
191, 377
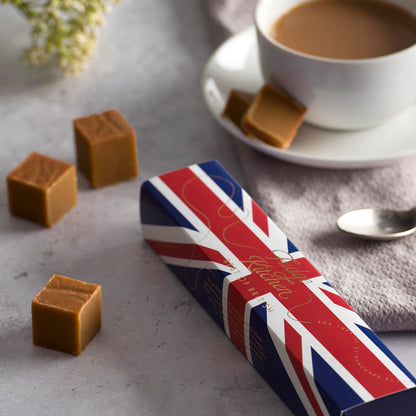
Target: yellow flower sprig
63, 29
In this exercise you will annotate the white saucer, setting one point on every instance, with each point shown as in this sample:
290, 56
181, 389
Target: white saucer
235, 65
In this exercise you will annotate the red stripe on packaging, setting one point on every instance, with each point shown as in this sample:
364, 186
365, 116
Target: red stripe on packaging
294, 350
260, 218
186, 251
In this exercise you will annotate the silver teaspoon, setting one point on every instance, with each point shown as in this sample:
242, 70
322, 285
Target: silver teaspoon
378, 224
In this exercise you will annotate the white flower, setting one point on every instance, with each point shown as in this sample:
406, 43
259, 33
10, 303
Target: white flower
66, 29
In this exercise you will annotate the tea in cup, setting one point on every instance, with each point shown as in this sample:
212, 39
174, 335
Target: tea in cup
352, 63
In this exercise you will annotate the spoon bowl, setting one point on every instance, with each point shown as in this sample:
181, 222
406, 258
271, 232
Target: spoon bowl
378, 224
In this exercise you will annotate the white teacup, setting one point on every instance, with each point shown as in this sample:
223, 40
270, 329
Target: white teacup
338, 93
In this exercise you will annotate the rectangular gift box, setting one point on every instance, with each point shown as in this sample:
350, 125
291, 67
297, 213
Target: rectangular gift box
290, 323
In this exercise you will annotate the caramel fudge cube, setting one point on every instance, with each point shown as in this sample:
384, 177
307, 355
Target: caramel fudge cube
274, 117
66, 314
236, 107
42, 189
106, 148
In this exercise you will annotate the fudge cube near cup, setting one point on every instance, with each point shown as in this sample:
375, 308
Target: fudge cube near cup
66, 314
305, 340
106, 148
42, 189
236, 107
273, 117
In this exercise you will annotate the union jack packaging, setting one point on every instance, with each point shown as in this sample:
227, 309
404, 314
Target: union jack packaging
291, 324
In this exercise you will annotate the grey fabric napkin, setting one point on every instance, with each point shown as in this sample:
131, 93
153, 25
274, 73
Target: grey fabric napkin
378, 279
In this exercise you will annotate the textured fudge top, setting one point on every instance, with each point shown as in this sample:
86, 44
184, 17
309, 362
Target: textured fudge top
103, 126
65, 293
39, 170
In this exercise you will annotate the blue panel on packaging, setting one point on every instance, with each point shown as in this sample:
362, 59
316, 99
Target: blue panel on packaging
291, 247
224, 180
157, 210
334, 391
206, 286
397, 404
